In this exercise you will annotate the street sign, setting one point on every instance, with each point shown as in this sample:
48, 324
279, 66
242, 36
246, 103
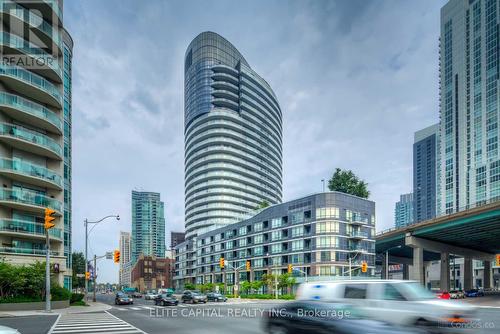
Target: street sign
80, 275
109, 255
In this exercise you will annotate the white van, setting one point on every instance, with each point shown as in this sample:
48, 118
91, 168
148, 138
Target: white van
396, 301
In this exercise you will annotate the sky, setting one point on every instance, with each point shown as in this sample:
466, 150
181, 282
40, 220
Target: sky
355, 79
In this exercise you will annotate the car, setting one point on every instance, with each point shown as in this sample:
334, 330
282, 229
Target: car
165, 299
311, 317
474, 293
443, 295
8, 330
400, 302
123, 299
216, 297
193, 296
457, 294
150, 296
136, 295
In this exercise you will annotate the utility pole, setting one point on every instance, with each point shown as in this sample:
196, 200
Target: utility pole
276, 286
95, 277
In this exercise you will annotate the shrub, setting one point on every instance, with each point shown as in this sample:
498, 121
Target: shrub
76, 297
20, 299
59, 293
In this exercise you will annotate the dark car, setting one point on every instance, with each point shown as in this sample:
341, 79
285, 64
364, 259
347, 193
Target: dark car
123, 299
136, 295
193, 297
216, 297
323, 318
166, 300
474, 293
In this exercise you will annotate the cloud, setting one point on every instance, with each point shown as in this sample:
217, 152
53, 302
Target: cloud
354, 79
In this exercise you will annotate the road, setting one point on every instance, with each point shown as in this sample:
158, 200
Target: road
235, 317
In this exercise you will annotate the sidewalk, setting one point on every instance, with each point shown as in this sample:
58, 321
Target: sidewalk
93, 307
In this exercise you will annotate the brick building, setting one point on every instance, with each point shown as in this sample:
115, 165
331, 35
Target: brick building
150, 272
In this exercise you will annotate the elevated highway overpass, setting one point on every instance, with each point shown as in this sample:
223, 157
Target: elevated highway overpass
471, 234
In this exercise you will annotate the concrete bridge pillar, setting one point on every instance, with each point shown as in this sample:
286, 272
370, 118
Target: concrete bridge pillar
487, 275
444, 278
406, 272
417, 272
467, 273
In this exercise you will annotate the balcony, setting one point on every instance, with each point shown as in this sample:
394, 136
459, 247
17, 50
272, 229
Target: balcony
357, 221
30, 173
28, 200
46, 63
30, 141
357, 249
26, 228
27, 251
29, 112
357, 235
30, 84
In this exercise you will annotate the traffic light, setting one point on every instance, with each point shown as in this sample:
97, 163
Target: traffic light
87, 275
497, 260
49, 218
364, 267
116, 256
221, 263
248, 265
290, 268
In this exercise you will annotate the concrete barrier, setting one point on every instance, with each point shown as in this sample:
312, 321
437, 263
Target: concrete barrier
33, 306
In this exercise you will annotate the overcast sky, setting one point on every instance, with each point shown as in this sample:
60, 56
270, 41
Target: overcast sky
355, 80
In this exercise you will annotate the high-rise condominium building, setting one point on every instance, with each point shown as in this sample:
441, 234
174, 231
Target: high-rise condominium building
125, 257
469, 164
424, 173
148, 225
403, 212
233, 136
35, 133
176, 238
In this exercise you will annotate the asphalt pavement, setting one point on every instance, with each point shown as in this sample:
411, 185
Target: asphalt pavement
234, 316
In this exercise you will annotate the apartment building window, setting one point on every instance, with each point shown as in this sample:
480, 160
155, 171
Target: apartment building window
229, 244
276, 235
276, 261
276, 222
276, 248
258, 250
258, 263
242, 242
297, 245
297, 217
258, 239
327, 227
243, 230
297, 258
257, 227
327, 242
328, 212
297, 231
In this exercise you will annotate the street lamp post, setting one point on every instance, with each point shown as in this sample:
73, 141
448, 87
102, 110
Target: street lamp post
86, 223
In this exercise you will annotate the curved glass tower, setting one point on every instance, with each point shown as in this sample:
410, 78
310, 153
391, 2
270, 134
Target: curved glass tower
233, 136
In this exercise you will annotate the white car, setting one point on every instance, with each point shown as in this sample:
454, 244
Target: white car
8, 330
150, 296
400, 302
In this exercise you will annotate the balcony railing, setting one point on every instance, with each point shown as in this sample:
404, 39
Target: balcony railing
357, 248
29, 107
29, 198
29, 251
32, 79
26, 227
9, 6
36, 138
358, 234
30, 50
30, 169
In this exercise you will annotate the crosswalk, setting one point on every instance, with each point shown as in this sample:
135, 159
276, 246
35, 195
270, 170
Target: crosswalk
92, 323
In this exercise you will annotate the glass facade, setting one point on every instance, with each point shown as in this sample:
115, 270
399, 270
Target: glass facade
403, 211
233, 137
468, 173
317, 242
35, 133
148, 225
